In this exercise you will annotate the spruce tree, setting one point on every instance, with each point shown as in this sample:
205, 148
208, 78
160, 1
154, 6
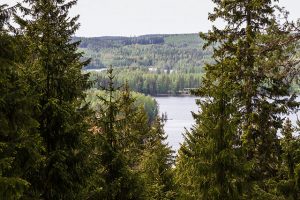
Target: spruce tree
56, 77
290, 167
252, 76
135, 127
156, 165
19, 141
260, 51
210, 164
114, 177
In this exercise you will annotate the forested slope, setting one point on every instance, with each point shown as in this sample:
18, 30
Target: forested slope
152, 64
162, 52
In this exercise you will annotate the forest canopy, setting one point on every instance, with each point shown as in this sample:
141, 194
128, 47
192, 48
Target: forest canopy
67, 134
163, 52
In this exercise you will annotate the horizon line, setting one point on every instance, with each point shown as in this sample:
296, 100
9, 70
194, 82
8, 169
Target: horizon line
146, 34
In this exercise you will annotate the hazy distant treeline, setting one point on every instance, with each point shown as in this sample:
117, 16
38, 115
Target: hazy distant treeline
177, 52
151, 83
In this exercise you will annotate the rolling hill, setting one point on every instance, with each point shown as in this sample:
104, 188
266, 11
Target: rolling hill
181, 52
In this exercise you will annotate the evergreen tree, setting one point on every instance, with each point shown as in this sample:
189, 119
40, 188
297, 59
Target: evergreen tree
113, 176
247, 90
135, 128
290, 166
55, 67
131, 160
259, 48
156, 165
19, 141
210, 164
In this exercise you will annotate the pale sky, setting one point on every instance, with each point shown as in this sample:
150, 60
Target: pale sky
139, 17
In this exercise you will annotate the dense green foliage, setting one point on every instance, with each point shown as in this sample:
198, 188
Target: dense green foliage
234, 149
290, 166
65, 136
146, 102
52, 146
152, 64
19, 141
156, 166
118, 182
56, 77
124, 143
154, 84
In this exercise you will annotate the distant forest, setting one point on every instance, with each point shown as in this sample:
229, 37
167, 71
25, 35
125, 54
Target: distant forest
152, 64
149, 83
165, 52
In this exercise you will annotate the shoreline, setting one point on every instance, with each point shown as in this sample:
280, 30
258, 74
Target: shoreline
172, 95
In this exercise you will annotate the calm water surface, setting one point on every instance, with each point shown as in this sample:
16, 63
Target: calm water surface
179, 114
179, 110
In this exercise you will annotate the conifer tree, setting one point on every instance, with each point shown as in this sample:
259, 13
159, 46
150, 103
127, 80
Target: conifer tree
19, 141
135, 127
260, 50
55, 67
290, 166
156, 165
252, 76
210, 164
148, 157
113, 176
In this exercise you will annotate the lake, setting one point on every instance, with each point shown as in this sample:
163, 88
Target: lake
179, 110
179, 114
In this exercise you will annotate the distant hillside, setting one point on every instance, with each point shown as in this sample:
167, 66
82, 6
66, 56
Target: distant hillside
181, 52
